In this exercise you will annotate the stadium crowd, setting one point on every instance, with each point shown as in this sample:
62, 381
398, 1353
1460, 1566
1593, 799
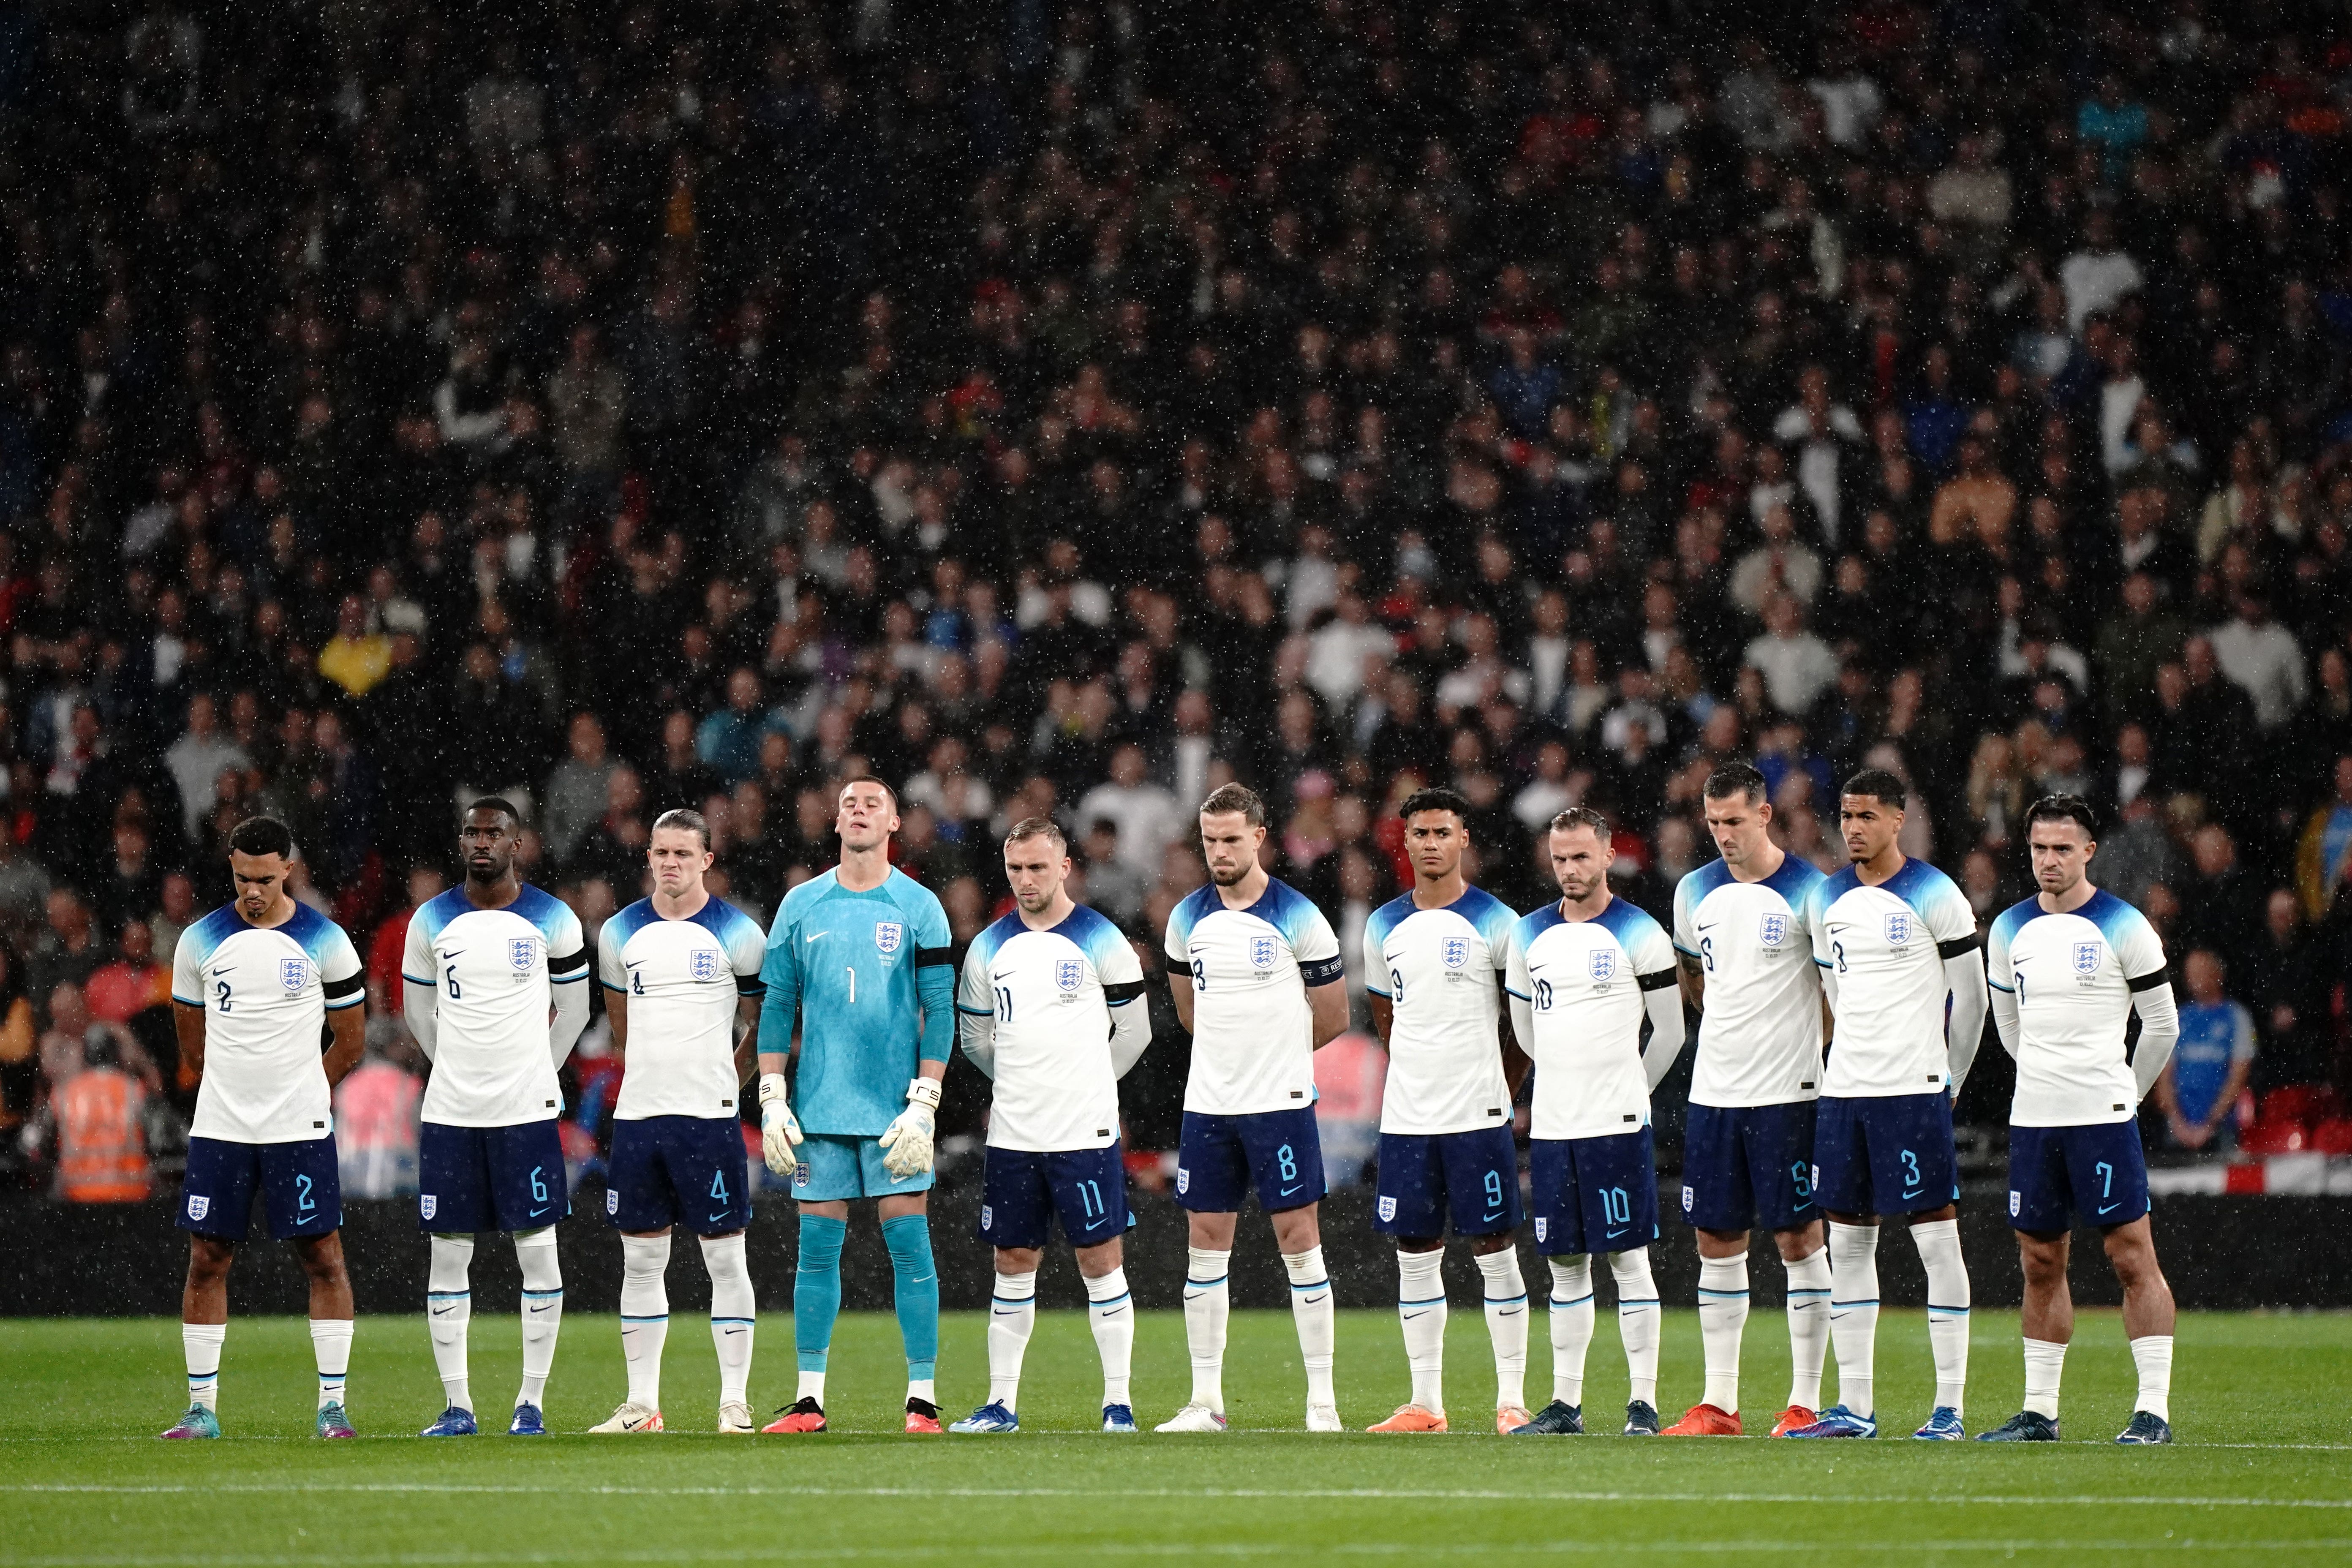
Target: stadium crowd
1068, 408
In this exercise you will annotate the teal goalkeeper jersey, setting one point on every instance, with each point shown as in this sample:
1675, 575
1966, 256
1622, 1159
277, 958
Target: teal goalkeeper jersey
871, 978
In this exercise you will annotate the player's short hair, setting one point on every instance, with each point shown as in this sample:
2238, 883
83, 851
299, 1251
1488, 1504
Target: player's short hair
1227, 799
262, 836
1735, 779
1037, 828
2064, 808
1880, 785
866, 778
1576, 817
1436, 798
497, 803
685, 821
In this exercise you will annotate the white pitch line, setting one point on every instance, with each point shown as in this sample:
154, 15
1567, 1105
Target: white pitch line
1335, 1494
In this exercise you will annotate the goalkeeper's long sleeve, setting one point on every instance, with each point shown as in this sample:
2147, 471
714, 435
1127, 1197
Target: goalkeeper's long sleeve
2159, 1031
935, 987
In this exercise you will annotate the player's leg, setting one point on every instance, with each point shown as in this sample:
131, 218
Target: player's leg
903, 1206
1559, 1238
825, 1182
452, 1203
2112, 1173
1410, 1206
1110, 1313
713, 1188
1720, 1202
331, 1322
1621, 1171
1015, 1219
526, 1164
2041, 1211
1211, 1178
217, 1207
1781, 1151
1482, 1179
302, 1190
1288, 1164
1298, 1233
1936, 1232
641, 1203
1848, 1145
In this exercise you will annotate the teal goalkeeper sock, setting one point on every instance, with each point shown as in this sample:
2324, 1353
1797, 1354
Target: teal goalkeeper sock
909, 1237
816, 1289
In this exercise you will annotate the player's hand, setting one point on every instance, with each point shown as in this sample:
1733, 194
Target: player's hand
907, 1142
780, 1130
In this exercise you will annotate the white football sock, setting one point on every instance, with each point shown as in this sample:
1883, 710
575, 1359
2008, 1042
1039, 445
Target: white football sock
1722, 1318
1809, 1326
1206, 1307
202, 1343
543, 1309
810, 1386
645, 1314
1854, 1312
1571, 1326
1638, 1317
1420, 1311
2152, 1354
1111, 1311
1011, 1314
1316, 1318
448, 1309
734, 1315
330, 1345
1947, 1307
2045, 1363
1506, 1324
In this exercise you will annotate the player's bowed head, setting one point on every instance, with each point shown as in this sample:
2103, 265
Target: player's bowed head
1738, 815
2061, 837
678, 852
1233, 832
1580, 845
1037, 868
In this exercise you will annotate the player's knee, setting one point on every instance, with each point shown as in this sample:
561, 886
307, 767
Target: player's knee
1021, 1259
208, 1260
1483, 1245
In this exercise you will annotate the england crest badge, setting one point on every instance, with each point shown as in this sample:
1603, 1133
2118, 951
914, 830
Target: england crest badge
522, 952
1898, 929
887, 936
200, 1206
2087, 958
1068, 974
1260, 952
612, 1201
1772, 929
293, 974
1602, 962
1388, 1208
427, 1205
1456, 952
704, 965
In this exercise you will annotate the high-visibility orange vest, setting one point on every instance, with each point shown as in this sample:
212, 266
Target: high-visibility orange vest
101, 1142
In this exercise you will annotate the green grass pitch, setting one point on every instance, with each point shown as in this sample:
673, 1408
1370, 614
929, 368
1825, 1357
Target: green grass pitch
2264, 1467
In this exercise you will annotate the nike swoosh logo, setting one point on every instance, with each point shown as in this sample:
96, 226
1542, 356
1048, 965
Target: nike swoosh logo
537, 1309
225, 969
1014, 1313
1514, 1313
1496, 1214
1917, 1191
452, 953
1288, 1191
1835, 1316
537, 1212
2019, 959
1613, 1236
821, 933
1710, 925
1314, 1300
443, 1312
1093, 1225
732, 1332
714, 1219
1409, 1317
2111, 1207
1113, 1311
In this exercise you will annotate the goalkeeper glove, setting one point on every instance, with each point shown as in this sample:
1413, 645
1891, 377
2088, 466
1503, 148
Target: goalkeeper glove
907, 1143
780, 1132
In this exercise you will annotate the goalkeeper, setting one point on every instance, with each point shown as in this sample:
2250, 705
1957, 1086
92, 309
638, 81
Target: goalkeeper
861, 955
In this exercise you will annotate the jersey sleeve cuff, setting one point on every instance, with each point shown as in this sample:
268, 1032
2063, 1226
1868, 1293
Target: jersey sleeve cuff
1518, 996
1998, 985
417, 979
347, 1003
976, 1012
191, 1002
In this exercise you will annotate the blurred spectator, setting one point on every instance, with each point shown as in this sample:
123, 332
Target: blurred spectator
2323, 857
377, 1128
1349, 1074
2200, 1087
130, 983
96, 1114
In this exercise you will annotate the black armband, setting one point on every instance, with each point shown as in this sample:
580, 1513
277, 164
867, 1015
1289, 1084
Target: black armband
1958, 945
1656, 980
1120, 993
577, 959
343, 987
930, 957
2161, 975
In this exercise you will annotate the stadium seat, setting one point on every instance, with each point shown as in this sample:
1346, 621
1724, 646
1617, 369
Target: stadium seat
2268, 1137
2333, 1137
2305, 1103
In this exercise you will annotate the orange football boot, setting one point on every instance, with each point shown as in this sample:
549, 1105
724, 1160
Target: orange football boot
801, 1416
1705, 1421
1410, 1418
1509, 1418
1792, 1418
922, 1416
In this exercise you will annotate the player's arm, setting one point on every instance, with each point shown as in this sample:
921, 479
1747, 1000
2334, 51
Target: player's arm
1383, 1016
342, 983
613, 979
780, 1004
568, 971
2160, 1028
1964, 977
1516, 1063
2000, 998
1693, 979
976, 1011
1121, 973
188, 1023
907, 1142
747, 1036
1328, 1004
420, 989
1662, 1004
616, 1013
1519, 991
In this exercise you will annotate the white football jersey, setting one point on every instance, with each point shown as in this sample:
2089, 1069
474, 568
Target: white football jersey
1585, 983
1053, 997
1760, 1031
683, 979
1253, 1032
266, 991
495, 969
1886, 945
2073, 977
1441, 971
